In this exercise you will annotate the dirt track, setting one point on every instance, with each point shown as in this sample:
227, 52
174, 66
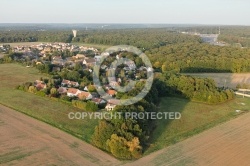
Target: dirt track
224, 145
26, 141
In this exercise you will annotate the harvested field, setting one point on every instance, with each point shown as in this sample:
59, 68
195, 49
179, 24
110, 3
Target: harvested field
227, 144
26, 141
225, 79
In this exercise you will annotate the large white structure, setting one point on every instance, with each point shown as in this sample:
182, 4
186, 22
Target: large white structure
74, 32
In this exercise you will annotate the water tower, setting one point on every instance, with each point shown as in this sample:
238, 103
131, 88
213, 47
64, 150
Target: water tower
74, 32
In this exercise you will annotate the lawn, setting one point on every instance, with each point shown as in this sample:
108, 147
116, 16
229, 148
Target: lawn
41, 108
196, 117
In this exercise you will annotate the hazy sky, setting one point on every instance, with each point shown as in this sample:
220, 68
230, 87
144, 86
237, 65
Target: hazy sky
126, 11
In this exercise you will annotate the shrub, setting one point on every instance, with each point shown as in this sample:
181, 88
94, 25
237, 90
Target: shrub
41, 93
79, 104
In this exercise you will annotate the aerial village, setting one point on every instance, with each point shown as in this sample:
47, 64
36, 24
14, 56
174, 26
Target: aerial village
71, 68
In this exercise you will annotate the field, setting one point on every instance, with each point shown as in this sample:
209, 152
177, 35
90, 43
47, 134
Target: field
98, 46
225, 79
227, 144
22, 44
196, 117
42, 108
26, 141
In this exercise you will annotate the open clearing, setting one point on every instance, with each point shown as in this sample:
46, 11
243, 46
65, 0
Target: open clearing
225, 79
227, 144
26, 141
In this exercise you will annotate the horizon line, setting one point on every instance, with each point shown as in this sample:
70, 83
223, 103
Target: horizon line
200, 24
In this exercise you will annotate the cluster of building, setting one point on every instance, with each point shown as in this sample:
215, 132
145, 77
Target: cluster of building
39, 53
49, 47
71, 89
4, 48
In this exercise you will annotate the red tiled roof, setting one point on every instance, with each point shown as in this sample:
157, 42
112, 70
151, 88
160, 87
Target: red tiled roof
72, 90
83, 94
66, 81
111, 92
62, 90
40, 86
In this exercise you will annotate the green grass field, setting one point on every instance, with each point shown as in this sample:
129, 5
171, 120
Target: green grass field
42, 108
196, 117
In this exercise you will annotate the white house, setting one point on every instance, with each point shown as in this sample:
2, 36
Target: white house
110, 107
112, 103
72, 92
130, 64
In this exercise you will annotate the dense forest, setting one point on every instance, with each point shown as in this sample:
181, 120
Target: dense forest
142, 38
192, 57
